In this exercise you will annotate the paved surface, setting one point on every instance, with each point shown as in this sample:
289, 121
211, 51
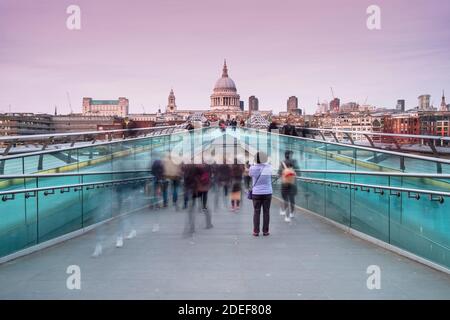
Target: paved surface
306, 259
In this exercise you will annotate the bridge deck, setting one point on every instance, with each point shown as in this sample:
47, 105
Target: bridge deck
306, 259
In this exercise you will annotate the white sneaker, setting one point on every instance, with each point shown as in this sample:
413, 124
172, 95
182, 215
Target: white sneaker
98, 250
282, 212
287, 219
132, 234
119, 242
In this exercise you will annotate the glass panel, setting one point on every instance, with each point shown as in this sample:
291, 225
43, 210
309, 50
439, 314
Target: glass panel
18, 228
337, 199
11, 166
59, 213
370, 211
97, 203
422, 227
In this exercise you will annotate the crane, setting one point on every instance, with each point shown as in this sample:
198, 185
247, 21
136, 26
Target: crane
332, 92
365, 101
70, 104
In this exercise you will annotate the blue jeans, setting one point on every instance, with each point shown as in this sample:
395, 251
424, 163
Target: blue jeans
162, 185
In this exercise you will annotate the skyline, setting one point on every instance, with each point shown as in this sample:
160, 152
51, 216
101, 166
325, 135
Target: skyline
141, 50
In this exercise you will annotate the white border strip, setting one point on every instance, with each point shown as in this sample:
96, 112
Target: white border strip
375, 241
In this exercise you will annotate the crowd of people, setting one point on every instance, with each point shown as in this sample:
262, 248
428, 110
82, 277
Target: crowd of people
227, 182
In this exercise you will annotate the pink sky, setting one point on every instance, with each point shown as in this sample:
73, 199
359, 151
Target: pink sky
141, 48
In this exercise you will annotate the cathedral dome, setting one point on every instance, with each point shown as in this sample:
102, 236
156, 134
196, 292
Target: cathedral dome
225, 83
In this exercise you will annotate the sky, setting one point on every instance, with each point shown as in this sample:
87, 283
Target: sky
140, 49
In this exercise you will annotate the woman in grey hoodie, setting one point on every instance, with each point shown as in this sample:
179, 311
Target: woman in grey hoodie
261, 173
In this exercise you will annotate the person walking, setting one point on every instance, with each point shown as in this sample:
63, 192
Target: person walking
247, 178
202, 183
288, 175
289, 129
261, 173
160, 183
273, 127
223, 181
233, 124
237, 171
172, 173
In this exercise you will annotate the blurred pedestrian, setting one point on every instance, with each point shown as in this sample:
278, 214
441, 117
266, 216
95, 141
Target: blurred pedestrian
273, 127
237, 171
289, 129
159, 184
223, 180
233, 124
172, 173
247, 178
287, 173
201, 184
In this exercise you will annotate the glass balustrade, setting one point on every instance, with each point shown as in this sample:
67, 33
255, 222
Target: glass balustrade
417, 222
414, 221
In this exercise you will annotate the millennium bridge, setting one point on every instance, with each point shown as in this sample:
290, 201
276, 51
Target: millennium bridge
361, 212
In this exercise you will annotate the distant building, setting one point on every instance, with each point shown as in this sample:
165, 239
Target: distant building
349, 107
117, 108
241, 105
292, 104
400, 105
13, 124
253, 104
404, 123
424, 102
322, 107
335, 105
171, 106
434, 123
82, 123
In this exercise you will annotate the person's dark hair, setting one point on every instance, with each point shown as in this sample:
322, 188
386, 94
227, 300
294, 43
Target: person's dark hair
261, 157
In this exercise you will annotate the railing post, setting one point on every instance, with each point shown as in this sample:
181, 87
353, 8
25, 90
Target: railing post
402, 163
439, 167
40, 162
8, 148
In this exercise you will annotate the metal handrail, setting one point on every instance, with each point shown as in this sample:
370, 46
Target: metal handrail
399, 154
76, 147
377, 173
375, 187
372, 133
83, 133
67, 174
69, 186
